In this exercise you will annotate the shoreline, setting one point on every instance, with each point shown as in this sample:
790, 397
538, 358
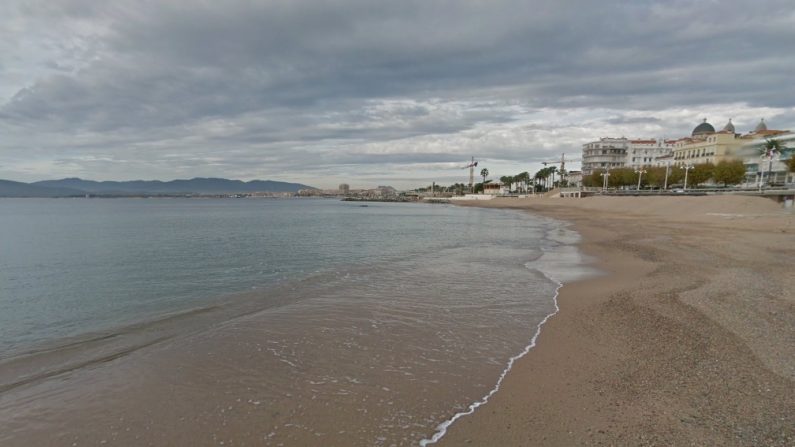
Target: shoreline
441, 429
667, 348
358, 356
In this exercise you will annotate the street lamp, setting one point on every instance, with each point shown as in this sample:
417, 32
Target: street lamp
686, 168
640, 173
771, 155
605, 175
667, 168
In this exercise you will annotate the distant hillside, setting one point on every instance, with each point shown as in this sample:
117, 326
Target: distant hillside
19, 189
195, 186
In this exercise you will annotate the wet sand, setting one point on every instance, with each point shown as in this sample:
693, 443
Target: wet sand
689, 339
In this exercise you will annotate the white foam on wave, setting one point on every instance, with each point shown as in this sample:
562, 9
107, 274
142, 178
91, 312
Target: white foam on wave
441, 429
560, 263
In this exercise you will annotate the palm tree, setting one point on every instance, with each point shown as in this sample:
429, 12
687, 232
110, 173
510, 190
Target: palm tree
545, 175
769, 150
771, 147
542, 174
484, 173
523, 178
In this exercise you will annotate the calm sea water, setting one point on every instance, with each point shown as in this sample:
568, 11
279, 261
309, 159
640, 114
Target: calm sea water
421, 306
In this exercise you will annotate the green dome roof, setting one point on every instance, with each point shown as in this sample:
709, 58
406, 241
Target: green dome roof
703, 128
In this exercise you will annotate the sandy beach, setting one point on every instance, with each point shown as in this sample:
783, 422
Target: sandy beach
688, 338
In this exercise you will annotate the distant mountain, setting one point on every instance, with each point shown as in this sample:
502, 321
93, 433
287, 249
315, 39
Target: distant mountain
19, 189
194, 186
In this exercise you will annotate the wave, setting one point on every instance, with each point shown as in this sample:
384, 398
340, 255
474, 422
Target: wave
441, 429
560, 262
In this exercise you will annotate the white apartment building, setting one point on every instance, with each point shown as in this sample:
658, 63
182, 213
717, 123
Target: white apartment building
611, 153
648, 153
607, 153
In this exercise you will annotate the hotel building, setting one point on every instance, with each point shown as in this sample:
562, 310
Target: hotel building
611, 153
648, 153
607, 153
705, 145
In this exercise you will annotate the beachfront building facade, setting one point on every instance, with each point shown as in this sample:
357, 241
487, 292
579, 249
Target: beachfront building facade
705, 145
759, 169
495, 189
612, 153
573, 178
607, 153
648, 153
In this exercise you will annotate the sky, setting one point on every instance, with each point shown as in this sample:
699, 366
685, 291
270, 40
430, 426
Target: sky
371, 93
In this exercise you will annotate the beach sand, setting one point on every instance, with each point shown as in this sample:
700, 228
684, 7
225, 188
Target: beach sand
689, 338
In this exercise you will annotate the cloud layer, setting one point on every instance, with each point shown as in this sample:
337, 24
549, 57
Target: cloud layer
398, 93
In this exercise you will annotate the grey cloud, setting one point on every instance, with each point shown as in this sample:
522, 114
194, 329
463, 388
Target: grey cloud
633, 120
292, 83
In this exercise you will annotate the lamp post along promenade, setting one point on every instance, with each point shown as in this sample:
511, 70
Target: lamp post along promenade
605, 175
640, 173
771, 152
686, 168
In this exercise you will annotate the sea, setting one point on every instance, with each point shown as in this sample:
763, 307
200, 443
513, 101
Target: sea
264, 321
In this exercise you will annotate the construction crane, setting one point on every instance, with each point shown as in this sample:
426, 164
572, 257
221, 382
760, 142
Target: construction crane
472, 165
561, 162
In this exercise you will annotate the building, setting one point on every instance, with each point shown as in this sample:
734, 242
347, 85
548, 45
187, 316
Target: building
386, 191
705, 145
344, 188
648, 153
494, 188
612, 153
573, 178
607, 153
759, 169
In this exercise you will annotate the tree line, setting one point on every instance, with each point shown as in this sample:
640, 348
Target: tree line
544, 179
725, 173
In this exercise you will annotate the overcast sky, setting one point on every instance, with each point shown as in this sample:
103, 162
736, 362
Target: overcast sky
368, 92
